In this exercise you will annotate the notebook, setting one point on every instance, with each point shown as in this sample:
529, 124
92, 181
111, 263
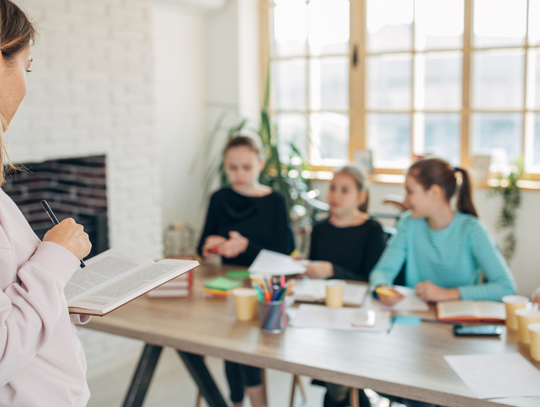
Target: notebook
307, 290
489, 311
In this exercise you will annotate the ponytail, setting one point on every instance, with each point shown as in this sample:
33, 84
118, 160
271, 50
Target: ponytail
464, 200
431, 171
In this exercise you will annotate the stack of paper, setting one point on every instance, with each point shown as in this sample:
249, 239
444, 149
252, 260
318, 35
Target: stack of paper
270, 263
307, 290
220, 287
318, 316
177, 288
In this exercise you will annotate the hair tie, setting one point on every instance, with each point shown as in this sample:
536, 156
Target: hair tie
457, 169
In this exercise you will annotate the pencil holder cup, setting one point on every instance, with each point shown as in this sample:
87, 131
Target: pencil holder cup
512, 303
272, 316
525, 317
534, 334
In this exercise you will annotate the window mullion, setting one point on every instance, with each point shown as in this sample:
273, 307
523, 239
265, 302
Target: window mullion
466, 85
357, 77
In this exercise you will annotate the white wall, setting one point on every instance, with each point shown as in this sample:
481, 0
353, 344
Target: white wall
179, 41
90, 92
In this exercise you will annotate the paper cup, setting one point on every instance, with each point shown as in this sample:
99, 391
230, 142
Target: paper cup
534, 333
526, 317
334, 293
512, 303
246, 303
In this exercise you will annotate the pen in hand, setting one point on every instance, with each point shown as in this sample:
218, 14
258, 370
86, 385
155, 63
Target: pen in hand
54, 219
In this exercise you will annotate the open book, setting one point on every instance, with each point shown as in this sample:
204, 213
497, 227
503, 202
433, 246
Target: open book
115, 277
471, 311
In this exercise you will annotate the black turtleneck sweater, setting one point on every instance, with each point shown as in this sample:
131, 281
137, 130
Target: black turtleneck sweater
262, 220
353, 251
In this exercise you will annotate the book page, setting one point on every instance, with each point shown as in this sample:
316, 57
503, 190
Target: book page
134, 285
491, 310
457, 309
100, 270
307, 290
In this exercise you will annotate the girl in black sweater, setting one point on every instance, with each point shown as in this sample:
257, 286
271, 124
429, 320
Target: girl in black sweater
347, 246
242, 220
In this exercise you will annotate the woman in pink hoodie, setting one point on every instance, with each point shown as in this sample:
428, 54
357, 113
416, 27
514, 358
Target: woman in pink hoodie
41, 360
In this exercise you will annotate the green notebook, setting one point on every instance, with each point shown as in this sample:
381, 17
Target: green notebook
237, 274
222, 284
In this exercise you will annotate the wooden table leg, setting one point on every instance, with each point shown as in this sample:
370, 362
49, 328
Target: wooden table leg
355, 401
142, 376
202, 377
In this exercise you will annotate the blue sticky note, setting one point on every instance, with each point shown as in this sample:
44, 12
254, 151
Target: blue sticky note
407, 320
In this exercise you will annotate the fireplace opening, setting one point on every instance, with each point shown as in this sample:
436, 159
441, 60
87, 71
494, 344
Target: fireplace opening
74, 187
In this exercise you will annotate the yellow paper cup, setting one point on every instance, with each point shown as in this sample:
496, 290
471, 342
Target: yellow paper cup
512, 303
246, 303
525, 318
334, 293
534, 333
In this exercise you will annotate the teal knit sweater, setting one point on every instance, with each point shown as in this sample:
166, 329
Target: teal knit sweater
454, 257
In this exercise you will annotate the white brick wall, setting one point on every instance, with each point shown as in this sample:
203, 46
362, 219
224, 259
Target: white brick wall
90, 92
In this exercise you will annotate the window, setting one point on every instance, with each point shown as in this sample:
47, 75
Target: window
454, 78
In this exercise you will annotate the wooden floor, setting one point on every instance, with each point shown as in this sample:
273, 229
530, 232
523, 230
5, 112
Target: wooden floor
173, 387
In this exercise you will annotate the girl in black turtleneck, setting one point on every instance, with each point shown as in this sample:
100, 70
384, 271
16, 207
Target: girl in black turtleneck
242, 220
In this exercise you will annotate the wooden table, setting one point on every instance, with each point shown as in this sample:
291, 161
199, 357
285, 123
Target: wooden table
408, 362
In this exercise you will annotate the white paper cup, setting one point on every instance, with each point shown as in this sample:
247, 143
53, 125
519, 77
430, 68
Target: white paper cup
525, 318
334, 293
512, 303
246, 303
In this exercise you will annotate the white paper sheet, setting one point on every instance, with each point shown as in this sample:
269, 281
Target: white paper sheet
497, 376
307, 290
410, 303
318, 316
271, 263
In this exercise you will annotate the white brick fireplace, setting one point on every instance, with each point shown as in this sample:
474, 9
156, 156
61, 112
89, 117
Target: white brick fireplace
90, 93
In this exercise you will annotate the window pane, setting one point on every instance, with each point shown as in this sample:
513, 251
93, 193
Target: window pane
498, 79
290, 28
291, 128
499, 22
389, 25
439, 24
536, 83
442, 136
329, 27
389, 139
330, 138
498, 135
534, 22
536, 147
389, 81
330, 83
290, 84
439, 81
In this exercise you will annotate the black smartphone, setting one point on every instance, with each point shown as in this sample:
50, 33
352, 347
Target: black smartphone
478, 330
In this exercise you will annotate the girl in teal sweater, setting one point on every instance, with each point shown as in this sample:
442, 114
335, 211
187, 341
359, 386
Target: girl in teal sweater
445, 251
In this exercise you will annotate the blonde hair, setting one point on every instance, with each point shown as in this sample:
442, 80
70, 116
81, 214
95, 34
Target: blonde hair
16, 33
359, 177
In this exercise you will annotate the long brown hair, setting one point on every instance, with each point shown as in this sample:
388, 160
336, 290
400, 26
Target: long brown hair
16, 33
436, 171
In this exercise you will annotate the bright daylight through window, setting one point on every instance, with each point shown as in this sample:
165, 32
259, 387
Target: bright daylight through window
454, 78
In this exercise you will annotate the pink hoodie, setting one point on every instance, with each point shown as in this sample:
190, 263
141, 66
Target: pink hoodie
41, 359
